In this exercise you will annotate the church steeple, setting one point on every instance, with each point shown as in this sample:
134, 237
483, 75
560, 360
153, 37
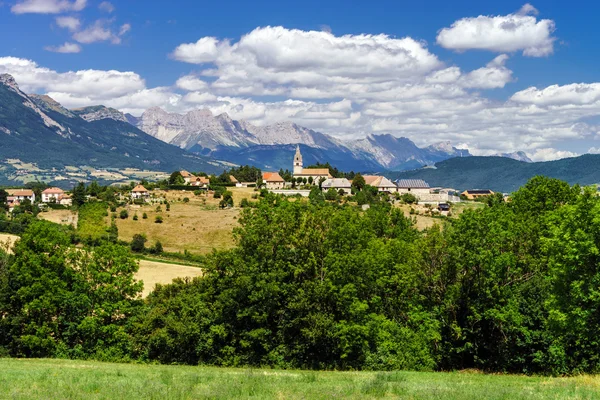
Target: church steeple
298, 161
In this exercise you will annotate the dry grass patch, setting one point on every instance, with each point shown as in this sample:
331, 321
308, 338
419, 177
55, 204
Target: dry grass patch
65, 217
198, 226
153, 272
7, 241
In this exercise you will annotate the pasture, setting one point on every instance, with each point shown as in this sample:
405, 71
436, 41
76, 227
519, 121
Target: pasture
66, 379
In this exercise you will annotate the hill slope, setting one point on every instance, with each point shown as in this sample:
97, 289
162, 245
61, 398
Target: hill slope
504, 174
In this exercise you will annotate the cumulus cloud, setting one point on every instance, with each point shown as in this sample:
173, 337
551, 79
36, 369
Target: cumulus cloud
106, 7
70, 23
493, 75
550, 154
520, 31
556, 95
47, 6
65, 48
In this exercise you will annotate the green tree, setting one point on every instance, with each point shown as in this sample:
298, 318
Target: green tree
176, 179
79, 194
331, 194
358, 182
3, 200
138, 243
123, 214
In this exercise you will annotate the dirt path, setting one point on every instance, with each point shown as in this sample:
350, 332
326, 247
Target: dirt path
153, 272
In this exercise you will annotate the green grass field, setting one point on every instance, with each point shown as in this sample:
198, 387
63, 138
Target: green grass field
62, 379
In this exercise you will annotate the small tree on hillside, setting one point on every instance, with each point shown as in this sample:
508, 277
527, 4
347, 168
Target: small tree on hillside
138, 243
358, 182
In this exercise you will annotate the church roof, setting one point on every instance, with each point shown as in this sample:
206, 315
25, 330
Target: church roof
314, 171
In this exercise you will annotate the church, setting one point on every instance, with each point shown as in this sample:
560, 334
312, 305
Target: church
315, 173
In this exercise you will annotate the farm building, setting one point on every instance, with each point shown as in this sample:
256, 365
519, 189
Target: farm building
382, 183
337, 184
476, 193
413, 186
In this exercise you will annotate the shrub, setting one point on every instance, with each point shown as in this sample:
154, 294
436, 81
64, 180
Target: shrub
158, 219
186, 200
138, 243
113, 208
157, 248
409, 198
123, 214
144, 216
158, 209
168, 207
135, 217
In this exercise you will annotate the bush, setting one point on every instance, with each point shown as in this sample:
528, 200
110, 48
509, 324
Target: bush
168, 207
135, 217
157, 248
113, 208
138, 243
158, 219
409, 198
144, 216
186, 200
123, 214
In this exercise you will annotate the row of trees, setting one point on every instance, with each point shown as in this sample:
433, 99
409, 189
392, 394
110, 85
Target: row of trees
509, 287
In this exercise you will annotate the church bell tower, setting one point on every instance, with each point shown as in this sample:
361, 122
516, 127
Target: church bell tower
298, 161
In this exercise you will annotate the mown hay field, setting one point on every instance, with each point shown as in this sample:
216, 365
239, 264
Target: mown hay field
65, 379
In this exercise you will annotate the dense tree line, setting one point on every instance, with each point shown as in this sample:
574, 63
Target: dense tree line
513, 286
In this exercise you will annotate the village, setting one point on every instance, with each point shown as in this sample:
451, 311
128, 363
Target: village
302, 181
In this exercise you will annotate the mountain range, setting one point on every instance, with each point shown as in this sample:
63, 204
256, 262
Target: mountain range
36, 129
269, 146
502, 174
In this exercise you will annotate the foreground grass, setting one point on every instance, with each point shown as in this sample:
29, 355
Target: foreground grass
62, 379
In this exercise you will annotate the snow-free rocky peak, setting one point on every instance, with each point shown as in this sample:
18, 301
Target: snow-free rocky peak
95, 113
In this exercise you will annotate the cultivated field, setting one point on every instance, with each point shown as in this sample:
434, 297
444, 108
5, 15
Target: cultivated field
198, 226
64, 379
153, 272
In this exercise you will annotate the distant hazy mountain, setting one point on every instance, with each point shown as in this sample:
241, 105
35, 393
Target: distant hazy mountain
517, 155
241, 142
504, 174
37, 129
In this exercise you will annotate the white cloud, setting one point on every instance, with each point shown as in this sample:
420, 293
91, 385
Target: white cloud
65, 48
124, 29
191, 83
47, 6
508, 33
549, 154
70, 23
106, 6
556, 95
493, 75
101, 31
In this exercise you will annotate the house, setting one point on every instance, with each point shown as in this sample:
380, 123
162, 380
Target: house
139, 192
272, 180
315, 173
52, 195
337, 184
382, 183
233, 180
66, 200
476, 193
187, 177
200, 181
19, 195
413, 186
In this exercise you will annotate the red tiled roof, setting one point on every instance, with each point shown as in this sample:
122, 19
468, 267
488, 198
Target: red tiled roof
139, 189
20, 192
272, 177
53, 190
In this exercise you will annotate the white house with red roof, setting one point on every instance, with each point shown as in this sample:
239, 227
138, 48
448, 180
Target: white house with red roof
52, 195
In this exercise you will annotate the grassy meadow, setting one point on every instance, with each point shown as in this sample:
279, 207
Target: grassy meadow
65, 379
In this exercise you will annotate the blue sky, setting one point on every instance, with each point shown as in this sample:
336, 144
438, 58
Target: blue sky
139, 42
